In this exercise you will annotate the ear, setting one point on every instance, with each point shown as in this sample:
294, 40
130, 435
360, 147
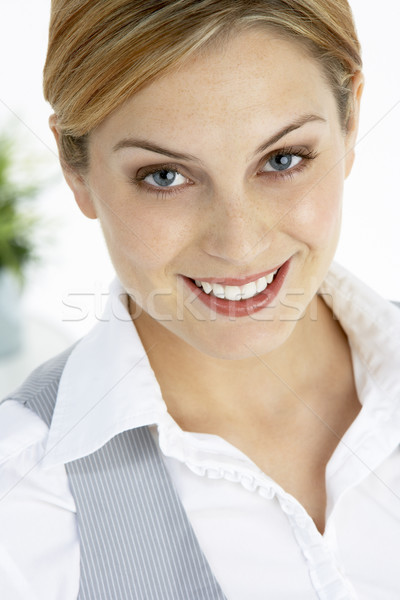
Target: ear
352, 128
74, 179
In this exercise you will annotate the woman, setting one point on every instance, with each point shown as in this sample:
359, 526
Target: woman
229, 429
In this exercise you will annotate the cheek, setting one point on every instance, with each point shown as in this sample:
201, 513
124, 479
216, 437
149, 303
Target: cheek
143, 236
316, 217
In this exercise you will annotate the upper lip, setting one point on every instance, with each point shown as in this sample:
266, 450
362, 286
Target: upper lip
239, 281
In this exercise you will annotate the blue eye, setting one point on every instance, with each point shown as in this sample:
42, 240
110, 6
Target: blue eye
282, 162
165, 178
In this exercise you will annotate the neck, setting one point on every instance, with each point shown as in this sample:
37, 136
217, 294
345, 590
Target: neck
203, 393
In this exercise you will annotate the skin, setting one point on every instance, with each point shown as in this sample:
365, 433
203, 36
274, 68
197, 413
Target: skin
230, 217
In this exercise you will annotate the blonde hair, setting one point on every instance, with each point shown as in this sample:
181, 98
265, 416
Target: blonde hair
101, 52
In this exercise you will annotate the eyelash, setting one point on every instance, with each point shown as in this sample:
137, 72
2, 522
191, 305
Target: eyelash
306, 155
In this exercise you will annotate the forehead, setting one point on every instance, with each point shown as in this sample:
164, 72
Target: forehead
228, 88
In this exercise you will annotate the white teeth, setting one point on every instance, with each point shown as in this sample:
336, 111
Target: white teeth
234, 292
249, 290
261, 284
218, 290
207, 287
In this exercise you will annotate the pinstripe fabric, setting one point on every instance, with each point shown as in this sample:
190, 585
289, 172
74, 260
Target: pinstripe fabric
39, 391
135, 526
136, 541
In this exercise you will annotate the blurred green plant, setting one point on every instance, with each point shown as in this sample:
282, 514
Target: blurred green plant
17, 223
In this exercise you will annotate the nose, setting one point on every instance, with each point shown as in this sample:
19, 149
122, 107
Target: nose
238, 229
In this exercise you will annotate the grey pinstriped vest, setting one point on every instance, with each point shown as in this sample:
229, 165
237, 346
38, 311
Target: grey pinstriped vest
136, 540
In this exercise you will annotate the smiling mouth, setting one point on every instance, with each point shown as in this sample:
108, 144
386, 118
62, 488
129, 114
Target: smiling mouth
236, 293
235, 300
240, 297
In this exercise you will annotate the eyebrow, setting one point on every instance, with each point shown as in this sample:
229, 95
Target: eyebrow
303, 120
151, 147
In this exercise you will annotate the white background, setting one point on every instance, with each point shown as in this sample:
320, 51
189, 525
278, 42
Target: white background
74, 259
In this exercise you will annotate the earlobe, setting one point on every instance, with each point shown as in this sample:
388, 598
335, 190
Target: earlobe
74, 180
350, 156
82, 193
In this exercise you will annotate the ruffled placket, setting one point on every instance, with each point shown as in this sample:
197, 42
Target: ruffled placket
212, 457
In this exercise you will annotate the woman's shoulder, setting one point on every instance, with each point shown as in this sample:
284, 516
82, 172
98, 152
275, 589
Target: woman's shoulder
25, 413
37, 510
42, 381
20, 429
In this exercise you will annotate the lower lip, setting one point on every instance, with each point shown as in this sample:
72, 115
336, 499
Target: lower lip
242, 308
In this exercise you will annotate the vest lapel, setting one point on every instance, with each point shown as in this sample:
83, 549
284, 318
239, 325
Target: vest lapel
137, 542
135, 538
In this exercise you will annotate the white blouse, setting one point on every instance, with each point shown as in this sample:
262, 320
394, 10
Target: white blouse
259, 540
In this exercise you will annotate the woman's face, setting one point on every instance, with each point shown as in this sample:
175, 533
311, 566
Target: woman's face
223, 171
